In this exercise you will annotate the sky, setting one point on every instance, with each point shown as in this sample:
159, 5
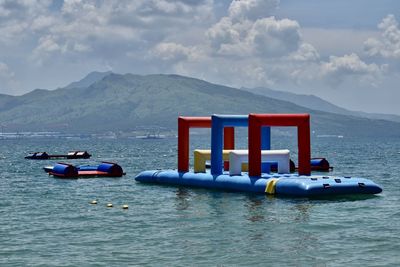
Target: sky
347, 52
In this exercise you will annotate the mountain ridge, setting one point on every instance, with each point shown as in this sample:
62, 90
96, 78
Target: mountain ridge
125, 102
89, 79
317, 103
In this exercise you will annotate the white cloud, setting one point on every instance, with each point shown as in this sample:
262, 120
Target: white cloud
244, 49
5, 71
94, 25
304, 53
12, 9
254, 51
332, 41
267, 37
47, 44
42, 23
248, 46
7, 78
350, 66
228, 38
174, 52
388, 46
252, 9
16, 18
249, 30
274, 38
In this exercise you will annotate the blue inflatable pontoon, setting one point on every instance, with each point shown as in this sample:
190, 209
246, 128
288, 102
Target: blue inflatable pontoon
280, 184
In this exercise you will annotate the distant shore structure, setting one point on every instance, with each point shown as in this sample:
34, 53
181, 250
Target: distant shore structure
151, 136
329, 136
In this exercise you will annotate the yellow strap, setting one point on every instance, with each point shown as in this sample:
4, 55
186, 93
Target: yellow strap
270, 188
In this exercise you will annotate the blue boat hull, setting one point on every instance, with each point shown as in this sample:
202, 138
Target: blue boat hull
282, 184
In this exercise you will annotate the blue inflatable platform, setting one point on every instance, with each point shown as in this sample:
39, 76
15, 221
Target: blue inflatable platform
278, 184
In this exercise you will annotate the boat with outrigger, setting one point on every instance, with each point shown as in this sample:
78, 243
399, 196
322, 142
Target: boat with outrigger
69, 155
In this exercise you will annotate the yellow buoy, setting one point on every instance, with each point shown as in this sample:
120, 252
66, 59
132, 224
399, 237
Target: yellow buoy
109, 205
93, 202
125, 207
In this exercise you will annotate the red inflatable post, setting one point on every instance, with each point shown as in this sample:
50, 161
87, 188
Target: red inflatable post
301, 121
184, 125
229, 138
229, 142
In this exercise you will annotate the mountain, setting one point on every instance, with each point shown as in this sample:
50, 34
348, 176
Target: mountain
5, 100
126, 102
89, 79
317, 103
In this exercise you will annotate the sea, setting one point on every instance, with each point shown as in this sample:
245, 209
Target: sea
46, 221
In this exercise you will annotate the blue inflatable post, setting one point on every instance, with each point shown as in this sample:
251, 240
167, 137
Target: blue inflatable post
265, 145
266, 138
218, 122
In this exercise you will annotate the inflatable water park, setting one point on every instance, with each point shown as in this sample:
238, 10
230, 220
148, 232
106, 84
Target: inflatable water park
258, 169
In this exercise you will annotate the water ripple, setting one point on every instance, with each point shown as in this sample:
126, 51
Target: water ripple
50, 222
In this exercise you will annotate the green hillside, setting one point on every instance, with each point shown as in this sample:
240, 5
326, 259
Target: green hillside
126, 102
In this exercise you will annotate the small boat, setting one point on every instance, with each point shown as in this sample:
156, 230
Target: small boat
69, 155
151, 136
105, 169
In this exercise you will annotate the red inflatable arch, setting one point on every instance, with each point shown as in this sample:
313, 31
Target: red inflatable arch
184, 125
301, 121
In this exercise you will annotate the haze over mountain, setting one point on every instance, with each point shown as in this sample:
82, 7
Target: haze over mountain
117, 102
317, 103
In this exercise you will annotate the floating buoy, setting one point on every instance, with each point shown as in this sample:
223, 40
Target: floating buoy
93, 202
125, 207
109, 205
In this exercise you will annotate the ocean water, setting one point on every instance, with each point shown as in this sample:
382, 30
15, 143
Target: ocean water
46, 221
